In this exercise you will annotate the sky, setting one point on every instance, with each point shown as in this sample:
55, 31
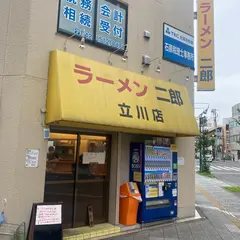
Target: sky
227, 61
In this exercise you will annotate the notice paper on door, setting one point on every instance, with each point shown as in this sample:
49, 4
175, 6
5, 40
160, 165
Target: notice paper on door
94, 157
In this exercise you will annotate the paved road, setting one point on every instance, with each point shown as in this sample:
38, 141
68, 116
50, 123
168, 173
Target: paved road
228, 171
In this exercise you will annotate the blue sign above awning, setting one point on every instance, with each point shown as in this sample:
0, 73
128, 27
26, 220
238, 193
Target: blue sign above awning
178, 46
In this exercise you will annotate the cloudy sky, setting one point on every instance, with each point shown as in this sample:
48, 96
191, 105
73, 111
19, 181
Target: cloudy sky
227, 60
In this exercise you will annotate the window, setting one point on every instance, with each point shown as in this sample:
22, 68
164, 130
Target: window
102, 22
238, 138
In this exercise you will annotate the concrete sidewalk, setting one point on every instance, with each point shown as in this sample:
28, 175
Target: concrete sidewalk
214, 190
216, 224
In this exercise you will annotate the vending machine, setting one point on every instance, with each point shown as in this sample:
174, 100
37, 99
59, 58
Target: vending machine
154, 168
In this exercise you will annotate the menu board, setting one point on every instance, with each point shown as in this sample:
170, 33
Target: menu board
48, 215
45, 222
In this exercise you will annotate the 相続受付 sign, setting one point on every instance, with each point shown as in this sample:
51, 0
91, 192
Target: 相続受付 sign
178, 46
111, 24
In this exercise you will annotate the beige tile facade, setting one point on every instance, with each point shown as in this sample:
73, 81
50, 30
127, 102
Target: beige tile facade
27, 35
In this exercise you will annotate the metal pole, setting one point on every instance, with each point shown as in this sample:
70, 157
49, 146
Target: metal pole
200, 129
216, 132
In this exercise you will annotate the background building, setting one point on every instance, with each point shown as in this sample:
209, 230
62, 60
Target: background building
234, 129
218, 136
226, 137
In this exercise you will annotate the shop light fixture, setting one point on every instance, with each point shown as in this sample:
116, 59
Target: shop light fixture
124, 57
187, 78
82, 41
158, 69
65, 43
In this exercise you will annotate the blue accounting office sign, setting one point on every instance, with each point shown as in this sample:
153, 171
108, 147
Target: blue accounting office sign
178, 46
102, 22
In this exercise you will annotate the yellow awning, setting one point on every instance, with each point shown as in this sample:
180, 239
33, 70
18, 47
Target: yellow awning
90, 94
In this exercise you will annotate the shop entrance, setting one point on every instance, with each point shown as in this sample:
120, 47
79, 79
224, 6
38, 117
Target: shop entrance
77, 174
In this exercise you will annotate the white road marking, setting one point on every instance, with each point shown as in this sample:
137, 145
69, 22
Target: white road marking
215, 167
229, 169
236, 169
226, 168
222, 168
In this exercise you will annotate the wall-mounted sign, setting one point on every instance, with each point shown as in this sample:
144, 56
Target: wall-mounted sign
178, 46
46, 133
181, 161
124, 99
32, 158
111, 24
103, 22
206, 68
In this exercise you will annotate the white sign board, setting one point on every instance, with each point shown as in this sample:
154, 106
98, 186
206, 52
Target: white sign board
32, 156
180, 161
48, 215
92, 157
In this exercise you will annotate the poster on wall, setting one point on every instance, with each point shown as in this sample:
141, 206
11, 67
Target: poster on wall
206, 67
178, 46
181, 161
32, 156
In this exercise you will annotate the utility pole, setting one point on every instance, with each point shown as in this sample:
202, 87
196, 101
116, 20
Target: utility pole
214, 112
200, 152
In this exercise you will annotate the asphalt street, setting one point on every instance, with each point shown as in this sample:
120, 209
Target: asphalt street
228, 171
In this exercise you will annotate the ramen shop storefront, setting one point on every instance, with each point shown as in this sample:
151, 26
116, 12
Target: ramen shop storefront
89, 106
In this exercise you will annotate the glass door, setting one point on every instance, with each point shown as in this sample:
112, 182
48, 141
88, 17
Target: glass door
92, 179
60, 173
77, 174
